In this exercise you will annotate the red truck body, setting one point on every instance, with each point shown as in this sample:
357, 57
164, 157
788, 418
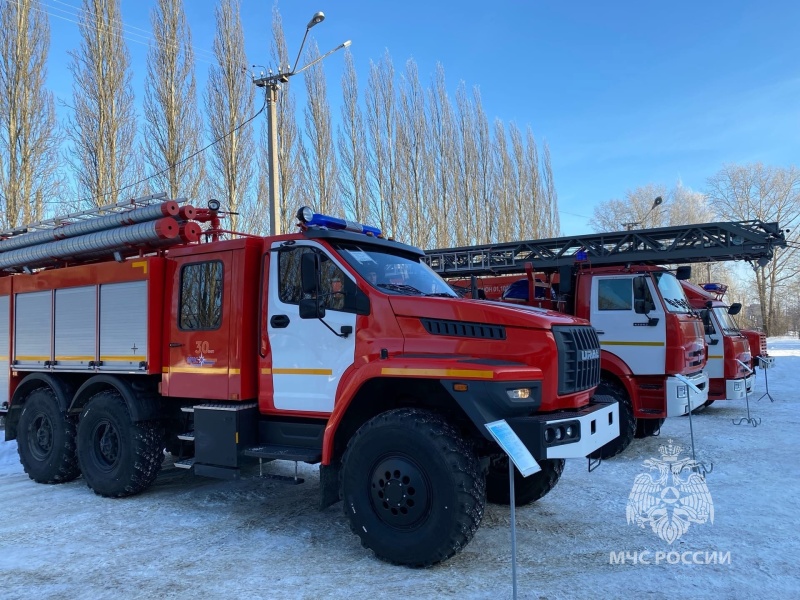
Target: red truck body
290, 347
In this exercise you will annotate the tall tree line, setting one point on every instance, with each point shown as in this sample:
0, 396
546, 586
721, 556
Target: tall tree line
429, 168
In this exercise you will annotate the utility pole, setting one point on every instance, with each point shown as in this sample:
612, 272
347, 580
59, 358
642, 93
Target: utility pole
272, 84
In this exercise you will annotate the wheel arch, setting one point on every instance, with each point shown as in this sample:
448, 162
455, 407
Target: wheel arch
62, 389
381, 394
143, 405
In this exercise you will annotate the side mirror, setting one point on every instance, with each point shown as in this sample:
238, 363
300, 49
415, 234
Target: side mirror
311, 308
640, 306
709, 304
309, 273
683, 273
734, 309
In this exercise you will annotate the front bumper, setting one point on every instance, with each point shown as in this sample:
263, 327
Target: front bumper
737, 389
592, 427
680, 403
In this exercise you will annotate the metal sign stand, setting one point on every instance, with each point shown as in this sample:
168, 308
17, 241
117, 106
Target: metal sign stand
520, 458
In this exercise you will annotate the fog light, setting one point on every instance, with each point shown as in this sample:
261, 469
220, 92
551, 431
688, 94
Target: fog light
549, 435
682, 391
560, 433
519, 393
737, 386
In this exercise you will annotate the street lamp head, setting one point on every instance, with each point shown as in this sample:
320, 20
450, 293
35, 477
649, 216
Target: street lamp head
347, 44
316, 20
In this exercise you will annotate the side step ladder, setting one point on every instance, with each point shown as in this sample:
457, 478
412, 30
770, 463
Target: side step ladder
275, 452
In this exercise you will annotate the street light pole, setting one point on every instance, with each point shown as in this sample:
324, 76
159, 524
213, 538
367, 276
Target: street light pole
272, 84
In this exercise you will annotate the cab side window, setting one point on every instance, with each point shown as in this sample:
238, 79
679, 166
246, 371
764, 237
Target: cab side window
336, 289
615, 294
201, 296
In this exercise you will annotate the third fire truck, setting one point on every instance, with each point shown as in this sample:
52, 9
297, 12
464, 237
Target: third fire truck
652, 339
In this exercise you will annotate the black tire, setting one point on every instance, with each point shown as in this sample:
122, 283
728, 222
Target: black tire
526, 489
647, 427
46, 439
431, 475
627, 420
118, 458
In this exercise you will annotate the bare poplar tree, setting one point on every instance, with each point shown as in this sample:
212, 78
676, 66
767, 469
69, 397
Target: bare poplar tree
352, 144
320, 170
756, 191
503, 185
486, 209
466, 214
551, 227
381, 123
28, 146
103, 126
442, 144
172, 122
229, 105
413, 157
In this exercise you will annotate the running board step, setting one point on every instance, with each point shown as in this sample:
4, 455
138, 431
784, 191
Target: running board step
186, 437
186, 463
308, 455
187, 409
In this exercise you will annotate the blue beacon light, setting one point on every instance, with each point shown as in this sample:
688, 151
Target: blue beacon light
312, 219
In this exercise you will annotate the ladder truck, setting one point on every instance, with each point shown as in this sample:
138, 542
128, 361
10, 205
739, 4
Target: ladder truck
146, 326
651, 338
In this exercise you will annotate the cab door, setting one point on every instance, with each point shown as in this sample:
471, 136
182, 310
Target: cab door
308, 356
715, 366
637, 338
199, 327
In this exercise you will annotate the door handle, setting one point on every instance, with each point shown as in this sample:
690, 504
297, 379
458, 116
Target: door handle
279, 321
600, 332
175, 344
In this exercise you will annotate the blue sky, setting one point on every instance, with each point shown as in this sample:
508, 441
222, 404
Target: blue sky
625, 93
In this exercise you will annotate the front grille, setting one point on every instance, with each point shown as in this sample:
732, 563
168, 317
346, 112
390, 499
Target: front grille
464, 329
578, 358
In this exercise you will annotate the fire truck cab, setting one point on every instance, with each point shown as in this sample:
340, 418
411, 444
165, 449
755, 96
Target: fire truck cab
730, 362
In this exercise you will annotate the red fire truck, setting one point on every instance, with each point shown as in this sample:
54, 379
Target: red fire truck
652, 339
733, 353
331, 345
730, 371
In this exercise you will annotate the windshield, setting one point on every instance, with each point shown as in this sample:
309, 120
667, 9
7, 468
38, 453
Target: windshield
725, 321
394, 273
672, 292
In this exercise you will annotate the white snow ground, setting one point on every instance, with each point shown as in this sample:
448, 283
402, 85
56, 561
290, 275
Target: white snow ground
190, 537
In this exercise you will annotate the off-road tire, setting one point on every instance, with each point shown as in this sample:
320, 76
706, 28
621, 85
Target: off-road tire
647, 427
46, 439
526, 489
627, 420
420, 463
118, 457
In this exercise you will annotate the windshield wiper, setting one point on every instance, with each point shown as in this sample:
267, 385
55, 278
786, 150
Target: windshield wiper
440, 295
408, 290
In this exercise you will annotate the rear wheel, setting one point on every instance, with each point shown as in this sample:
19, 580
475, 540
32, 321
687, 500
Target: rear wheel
46, 439
526, 489
118, 457
627, 420
412, 487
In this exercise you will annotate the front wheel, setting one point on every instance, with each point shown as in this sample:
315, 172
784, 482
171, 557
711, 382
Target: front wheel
412, 487
118, 457
627, 420
526, 489
46, 439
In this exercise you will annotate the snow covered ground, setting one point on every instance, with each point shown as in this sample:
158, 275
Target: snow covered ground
190, 537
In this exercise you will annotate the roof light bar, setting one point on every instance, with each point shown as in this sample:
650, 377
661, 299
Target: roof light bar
311, 219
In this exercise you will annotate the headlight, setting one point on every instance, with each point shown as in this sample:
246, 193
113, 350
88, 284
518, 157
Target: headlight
737, 386
682, 391
559, 433
570, 431
519, 393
